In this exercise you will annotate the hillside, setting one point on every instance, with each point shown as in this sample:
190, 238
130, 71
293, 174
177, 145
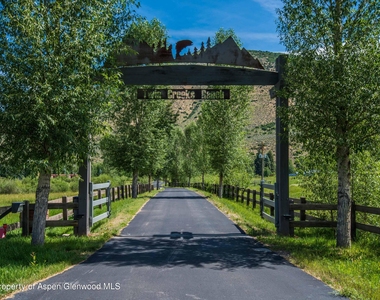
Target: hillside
262, 124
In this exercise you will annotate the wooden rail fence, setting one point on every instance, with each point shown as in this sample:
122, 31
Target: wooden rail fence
298, 208
68, 205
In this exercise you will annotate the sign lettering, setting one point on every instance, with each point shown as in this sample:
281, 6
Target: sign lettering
183, 94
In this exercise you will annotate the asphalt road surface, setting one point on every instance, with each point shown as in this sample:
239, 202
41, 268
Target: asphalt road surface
181, 247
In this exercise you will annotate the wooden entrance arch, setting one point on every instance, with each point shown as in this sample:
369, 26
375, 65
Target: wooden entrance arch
223, 64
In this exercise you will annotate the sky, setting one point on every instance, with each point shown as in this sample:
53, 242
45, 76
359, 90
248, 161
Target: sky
252, 20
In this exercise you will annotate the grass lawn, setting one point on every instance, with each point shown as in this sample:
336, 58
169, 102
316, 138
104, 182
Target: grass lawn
354, 272
23, 264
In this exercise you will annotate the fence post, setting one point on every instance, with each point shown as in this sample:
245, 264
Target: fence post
122, 192
261, 197
248, 195
64, 212
113, 194
25, 219
271, 197
75, 211
91, 203
118, 192
303, 212
99, 197
254, 193
282, 155
242, 195
84, 199
353, 221
276, 207
108, 195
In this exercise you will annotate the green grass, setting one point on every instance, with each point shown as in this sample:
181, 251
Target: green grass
354, 272
22, 264
7, 199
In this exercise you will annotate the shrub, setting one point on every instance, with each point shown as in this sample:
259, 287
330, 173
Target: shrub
59, 185
102, 178
9, 186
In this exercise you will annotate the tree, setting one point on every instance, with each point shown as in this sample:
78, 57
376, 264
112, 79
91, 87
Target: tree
138, 138
332, 77
224, 123
222, 34
174, 158
202, 157
165, 126
153, 32
51, 55
190, 151
140, 128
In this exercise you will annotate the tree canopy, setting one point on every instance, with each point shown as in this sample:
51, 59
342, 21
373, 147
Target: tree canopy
138, 138
223, 123
332, 78
140, 129
51, 95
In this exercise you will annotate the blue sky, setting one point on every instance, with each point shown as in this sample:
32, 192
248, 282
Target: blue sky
252, 20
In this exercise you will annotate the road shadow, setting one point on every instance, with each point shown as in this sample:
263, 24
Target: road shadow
218, 252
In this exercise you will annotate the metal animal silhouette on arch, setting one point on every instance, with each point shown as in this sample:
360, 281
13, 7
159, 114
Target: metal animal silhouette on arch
226, 53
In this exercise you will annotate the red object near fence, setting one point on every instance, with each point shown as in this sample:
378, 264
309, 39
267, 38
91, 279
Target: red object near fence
3, 231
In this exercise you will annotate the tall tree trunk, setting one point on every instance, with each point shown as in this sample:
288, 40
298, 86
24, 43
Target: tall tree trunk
134, 183
221, 185
40, 210
343, 238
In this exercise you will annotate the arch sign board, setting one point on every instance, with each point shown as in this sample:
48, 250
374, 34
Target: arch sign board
221, 65
183, 94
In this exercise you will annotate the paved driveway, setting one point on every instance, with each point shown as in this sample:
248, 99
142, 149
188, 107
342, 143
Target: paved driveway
181, 247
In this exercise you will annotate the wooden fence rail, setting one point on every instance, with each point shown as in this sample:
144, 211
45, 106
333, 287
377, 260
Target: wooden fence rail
298, 208
68, 207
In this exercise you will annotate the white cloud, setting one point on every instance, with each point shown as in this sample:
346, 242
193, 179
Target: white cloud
269, 5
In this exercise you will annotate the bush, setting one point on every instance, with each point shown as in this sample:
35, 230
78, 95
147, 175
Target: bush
101, 178
74, 186
9, 186
59, 185
28, 184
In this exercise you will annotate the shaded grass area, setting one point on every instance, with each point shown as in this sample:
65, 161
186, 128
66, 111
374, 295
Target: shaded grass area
22, 264
354, 272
